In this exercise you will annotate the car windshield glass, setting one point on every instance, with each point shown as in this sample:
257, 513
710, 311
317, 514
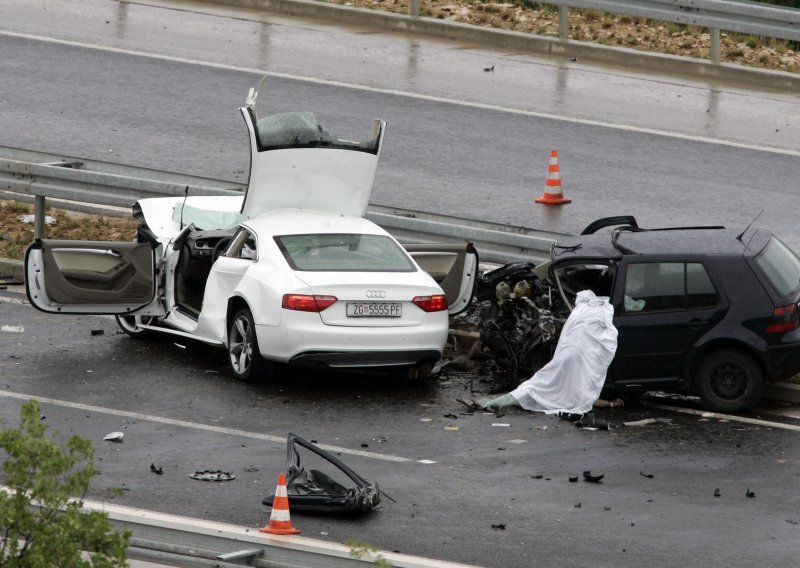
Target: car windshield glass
781, 266
344, 253
302, 130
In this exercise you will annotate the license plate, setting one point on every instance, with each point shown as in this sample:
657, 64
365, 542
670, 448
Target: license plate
374, 310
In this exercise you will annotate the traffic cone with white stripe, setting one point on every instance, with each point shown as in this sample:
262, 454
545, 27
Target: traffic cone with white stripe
279, 521
552, 185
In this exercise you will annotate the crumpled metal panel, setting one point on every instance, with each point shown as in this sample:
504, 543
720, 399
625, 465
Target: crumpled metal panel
317, 492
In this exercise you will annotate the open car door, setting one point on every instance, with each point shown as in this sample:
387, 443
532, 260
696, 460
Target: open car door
453, 266
91, 277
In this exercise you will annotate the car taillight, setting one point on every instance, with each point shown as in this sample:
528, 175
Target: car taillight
307, 303
435, 303
785, 318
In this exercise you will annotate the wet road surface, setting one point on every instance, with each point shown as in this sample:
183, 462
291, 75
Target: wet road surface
179, 409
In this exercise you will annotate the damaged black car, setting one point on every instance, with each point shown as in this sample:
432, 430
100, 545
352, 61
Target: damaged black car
699, 310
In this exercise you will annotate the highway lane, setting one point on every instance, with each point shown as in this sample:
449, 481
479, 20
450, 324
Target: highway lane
159, 87
178, 409
461, 142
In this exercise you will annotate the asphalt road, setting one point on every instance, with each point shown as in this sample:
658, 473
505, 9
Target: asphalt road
179, 410
159, 88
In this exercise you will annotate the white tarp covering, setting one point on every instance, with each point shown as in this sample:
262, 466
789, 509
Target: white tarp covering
573, 379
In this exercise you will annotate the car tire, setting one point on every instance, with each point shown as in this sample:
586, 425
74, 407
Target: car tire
130, 325
244, 356
729, 381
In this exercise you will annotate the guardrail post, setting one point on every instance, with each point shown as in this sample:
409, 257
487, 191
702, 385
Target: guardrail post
563, 22
38, 218
714, 50
413, 8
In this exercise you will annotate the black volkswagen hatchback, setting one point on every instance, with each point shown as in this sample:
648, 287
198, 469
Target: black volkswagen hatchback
703, 310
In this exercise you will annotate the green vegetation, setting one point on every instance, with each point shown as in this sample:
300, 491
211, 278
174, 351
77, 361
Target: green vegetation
42, 522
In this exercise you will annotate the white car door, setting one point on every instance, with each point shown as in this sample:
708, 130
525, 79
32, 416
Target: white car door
453, 266
92, 277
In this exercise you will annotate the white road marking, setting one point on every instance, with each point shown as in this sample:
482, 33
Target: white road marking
195, 425
394, 92
720, 416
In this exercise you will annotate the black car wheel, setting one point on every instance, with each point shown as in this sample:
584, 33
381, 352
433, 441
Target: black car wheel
243, 353
130, 325
729, 381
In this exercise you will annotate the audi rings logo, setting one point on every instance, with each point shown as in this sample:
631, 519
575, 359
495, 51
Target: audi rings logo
376, 293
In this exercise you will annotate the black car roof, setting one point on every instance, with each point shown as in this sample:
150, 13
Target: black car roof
678, 241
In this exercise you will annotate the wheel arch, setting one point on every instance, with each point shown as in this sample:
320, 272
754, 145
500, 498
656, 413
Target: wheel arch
235, 303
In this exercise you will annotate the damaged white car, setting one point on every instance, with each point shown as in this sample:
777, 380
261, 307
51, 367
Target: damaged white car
291, 272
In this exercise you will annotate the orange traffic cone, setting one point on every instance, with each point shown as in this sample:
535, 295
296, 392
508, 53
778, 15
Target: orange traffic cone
279, 522
552, 186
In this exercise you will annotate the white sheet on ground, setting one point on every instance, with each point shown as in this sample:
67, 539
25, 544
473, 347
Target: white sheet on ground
573, 379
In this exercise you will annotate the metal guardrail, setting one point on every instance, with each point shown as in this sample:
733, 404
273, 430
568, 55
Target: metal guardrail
47, 176
172, 540
741, 16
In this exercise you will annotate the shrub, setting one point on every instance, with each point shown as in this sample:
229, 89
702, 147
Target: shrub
56, 531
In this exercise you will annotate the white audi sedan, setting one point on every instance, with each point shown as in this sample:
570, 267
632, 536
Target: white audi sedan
289, 273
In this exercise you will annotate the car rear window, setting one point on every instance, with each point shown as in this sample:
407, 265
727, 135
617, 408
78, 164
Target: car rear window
781, 266
330, 252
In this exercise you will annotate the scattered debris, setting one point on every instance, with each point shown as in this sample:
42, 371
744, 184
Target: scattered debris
12, 328
208, 475
643, 422
98, 332
716, 492
587, 476
30, 218
426, 419
488, 69
156, 470
470, 404
749, 493
251, 469
114, 437
501, 424
607, 508
537, 476
578, 505
365, 445
451, 416
517, 441
315, 491
573, 479
647, 475
451, 428
499, 527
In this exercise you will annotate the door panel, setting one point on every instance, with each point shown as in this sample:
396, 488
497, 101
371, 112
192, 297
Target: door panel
100, 277
453, 266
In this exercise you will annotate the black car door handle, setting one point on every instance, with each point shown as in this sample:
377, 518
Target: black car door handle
695, 324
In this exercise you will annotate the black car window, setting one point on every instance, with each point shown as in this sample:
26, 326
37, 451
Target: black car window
781, 267
656, 286
700, 292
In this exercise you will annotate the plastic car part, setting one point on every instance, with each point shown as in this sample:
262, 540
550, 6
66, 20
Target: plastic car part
208, 475
315, 491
